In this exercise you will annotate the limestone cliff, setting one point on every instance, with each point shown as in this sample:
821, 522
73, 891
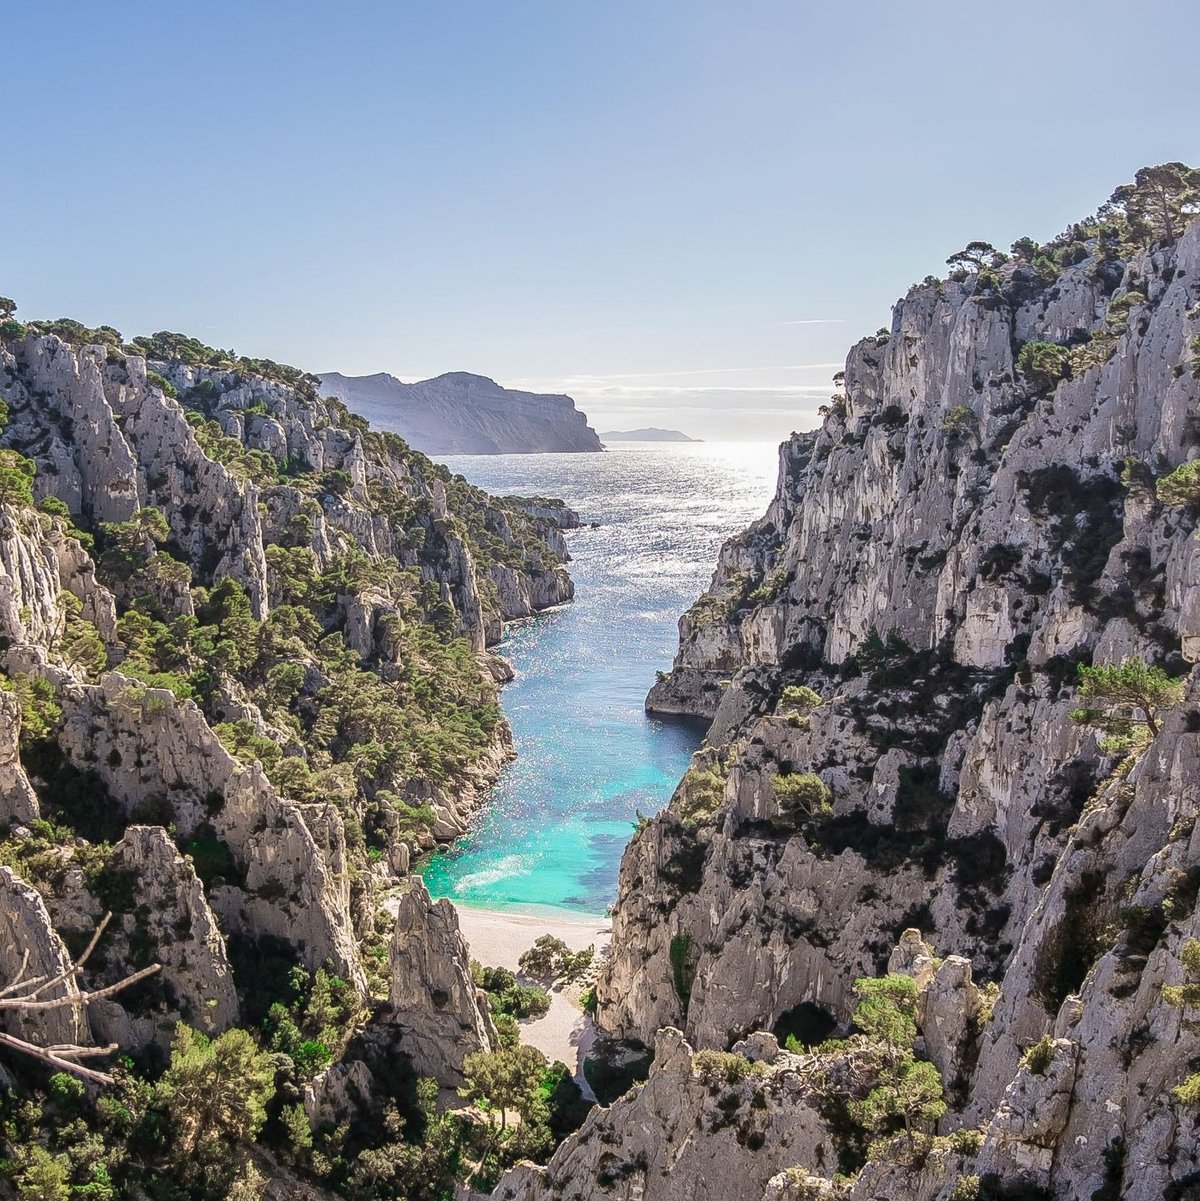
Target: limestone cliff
694, 1131
464, 414
980, 513
243, 676
435, 1005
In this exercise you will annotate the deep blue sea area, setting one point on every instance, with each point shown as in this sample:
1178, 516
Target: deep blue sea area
588, 757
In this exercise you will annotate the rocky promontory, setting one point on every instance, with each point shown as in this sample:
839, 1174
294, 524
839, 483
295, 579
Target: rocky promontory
464, 414
946, 802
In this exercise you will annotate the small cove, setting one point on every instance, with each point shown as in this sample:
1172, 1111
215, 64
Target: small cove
589, 759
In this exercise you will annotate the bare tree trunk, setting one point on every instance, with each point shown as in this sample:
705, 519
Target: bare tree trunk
27, 994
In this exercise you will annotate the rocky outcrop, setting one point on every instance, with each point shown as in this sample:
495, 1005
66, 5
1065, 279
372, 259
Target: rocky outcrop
438, 1014
18, 802
30, 609
689, 1134
128, 445
30, 949
339, 1094
109, 441
547, 508
952, 1008
1031, 1117
938, 560
463, 414
169, 923
285, 872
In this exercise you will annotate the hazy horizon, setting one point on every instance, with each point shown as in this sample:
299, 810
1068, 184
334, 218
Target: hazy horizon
680, 214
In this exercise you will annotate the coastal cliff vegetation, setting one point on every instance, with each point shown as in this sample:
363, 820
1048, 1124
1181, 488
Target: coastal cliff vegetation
920, 920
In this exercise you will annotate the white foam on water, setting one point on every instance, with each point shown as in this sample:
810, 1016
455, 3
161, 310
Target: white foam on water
511, 867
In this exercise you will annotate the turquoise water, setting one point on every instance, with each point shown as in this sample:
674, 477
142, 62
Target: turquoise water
588, 757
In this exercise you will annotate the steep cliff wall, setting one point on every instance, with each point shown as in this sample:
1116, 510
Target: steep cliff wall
980, 513
463, 414
243, 677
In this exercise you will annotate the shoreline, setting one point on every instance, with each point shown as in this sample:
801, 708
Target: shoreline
498, 938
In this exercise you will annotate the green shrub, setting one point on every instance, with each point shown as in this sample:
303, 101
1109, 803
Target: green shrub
40, 710
683, 967
54, 507
804, 795
16, 479
966, 1141
161, 382
726, 1066
770, 589
1043, 364
700, 794
1039, 1056
798, 698
506, 995
959, 421
1181, 488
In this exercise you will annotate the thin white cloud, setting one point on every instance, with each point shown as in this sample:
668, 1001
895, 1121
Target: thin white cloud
815, 321
618, 390
572, 384
701, 371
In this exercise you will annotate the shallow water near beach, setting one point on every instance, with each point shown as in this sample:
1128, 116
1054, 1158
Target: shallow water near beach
589, 759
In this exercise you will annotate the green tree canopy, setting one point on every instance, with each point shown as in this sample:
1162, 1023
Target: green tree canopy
16, 479
1159, 202
509, 1079
215, 1093
1129, 701
976, 256
887, 1011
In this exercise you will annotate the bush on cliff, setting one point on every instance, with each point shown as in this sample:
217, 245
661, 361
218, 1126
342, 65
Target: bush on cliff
16, 479
803, 796
1128, 702
1181, 489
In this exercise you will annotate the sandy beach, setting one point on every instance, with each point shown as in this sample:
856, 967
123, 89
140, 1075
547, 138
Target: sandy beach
497, 939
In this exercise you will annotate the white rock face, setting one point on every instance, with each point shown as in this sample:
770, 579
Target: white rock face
18, 802
684, 1136
59, 389
937, 582
174, 926
30, 948
438, 1014
1031, 1117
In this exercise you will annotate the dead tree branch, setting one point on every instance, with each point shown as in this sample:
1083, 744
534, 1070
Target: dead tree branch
25, 994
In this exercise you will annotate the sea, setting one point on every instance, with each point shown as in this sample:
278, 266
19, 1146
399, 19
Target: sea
589, 760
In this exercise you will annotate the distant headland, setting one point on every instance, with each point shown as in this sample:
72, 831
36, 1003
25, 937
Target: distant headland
649, 434
464, 414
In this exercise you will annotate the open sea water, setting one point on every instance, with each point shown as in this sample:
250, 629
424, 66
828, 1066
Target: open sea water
588, 757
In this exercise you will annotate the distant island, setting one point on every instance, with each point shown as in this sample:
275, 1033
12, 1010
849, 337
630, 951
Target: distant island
464, 414
649, 434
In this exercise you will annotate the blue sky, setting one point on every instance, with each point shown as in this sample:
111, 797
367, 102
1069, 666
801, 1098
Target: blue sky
681, 212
